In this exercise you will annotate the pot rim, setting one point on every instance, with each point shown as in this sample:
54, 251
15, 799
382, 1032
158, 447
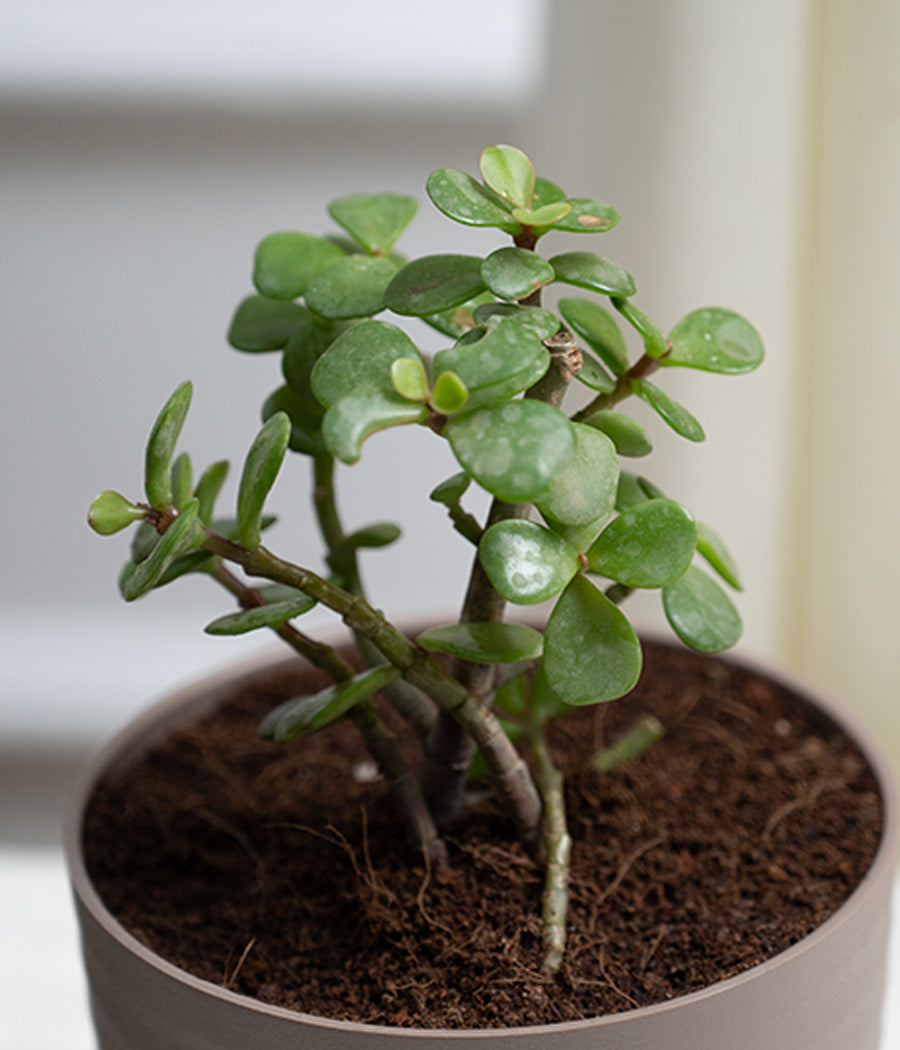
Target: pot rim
883, 861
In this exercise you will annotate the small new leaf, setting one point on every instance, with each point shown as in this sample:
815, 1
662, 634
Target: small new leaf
161, 447
110, 513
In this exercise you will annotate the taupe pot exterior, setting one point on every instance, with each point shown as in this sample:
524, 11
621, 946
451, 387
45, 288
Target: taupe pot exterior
824, 993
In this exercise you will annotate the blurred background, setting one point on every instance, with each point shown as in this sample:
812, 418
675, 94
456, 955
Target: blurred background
752, 151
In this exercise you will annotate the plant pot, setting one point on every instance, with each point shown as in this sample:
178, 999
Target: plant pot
823, 993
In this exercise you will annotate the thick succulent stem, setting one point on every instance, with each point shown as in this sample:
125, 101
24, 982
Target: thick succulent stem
558, 848
381, 743
418, 667
643, 367
407, 701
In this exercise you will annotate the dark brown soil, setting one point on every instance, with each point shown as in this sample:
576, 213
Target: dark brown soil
279, 873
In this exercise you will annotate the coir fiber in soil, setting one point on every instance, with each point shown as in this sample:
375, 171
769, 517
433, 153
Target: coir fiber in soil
278, 872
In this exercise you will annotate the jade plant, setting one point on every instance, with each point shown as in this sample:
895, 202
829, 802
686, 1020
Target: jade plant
567, 524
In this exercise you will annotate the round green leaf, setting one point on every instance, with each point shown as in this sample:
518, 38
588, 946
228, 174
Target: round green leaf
593, 272
160, 450
506, 361
546, 215
351, 287
375, 220
463, 199
312, 338
509, 172
271, 615
525, 562
512, 450
587, 216
591, 653
543, 322
359, 361
650, 545
350, 421
180, 537
593, 375
712, 547
261, 468
629, 437
596, 326
305, 414
654, 341
286, 262
715, 340
409, 379
450, 394
583, 489
434, 283
676, 415
484, 643
260, 324
701, 613
514, 273
110, 513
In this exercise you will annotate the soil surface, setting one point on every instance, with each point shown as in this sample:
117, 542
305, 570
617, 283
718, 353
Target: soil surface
279, 872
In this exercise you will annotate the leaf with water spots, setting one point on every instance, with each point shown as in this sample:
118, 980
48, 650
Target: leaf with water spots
715, 340
487, 643
650, 545
526, 562
701, 613
584, 488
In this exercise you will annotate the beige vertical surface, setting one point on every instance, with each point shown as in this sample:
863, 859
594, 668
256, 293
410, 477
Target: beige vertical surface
848, 554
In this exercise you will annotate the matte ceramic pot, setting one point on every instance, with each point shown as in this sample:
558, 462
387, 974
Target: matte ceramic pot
824, 993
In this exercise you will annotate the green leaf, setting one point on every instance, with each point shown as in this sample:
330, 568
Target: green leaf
182, 480
593, 272
359, 362
304, 715
514, 273
463, 199
546, 703
273, 615
511, 696
261, 324
650, 545
450, 394
286, 262
715, 340
305, 414
701, 613
508, 172
161, 444
629, 437
351, 287
182, 565
594, 376
503, 363
597, 327
379, 534
409, 379
630, 491
583, 489
544, 322
484, 643
712, 547
654, 341
110, 513
313, 337
525, 562
434, 283
375, 220
578, 537
180, 537
208, 488
591, 653
261, 468
350, 421
546, 215
587, 216
512, 450
451, 491
676, 415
